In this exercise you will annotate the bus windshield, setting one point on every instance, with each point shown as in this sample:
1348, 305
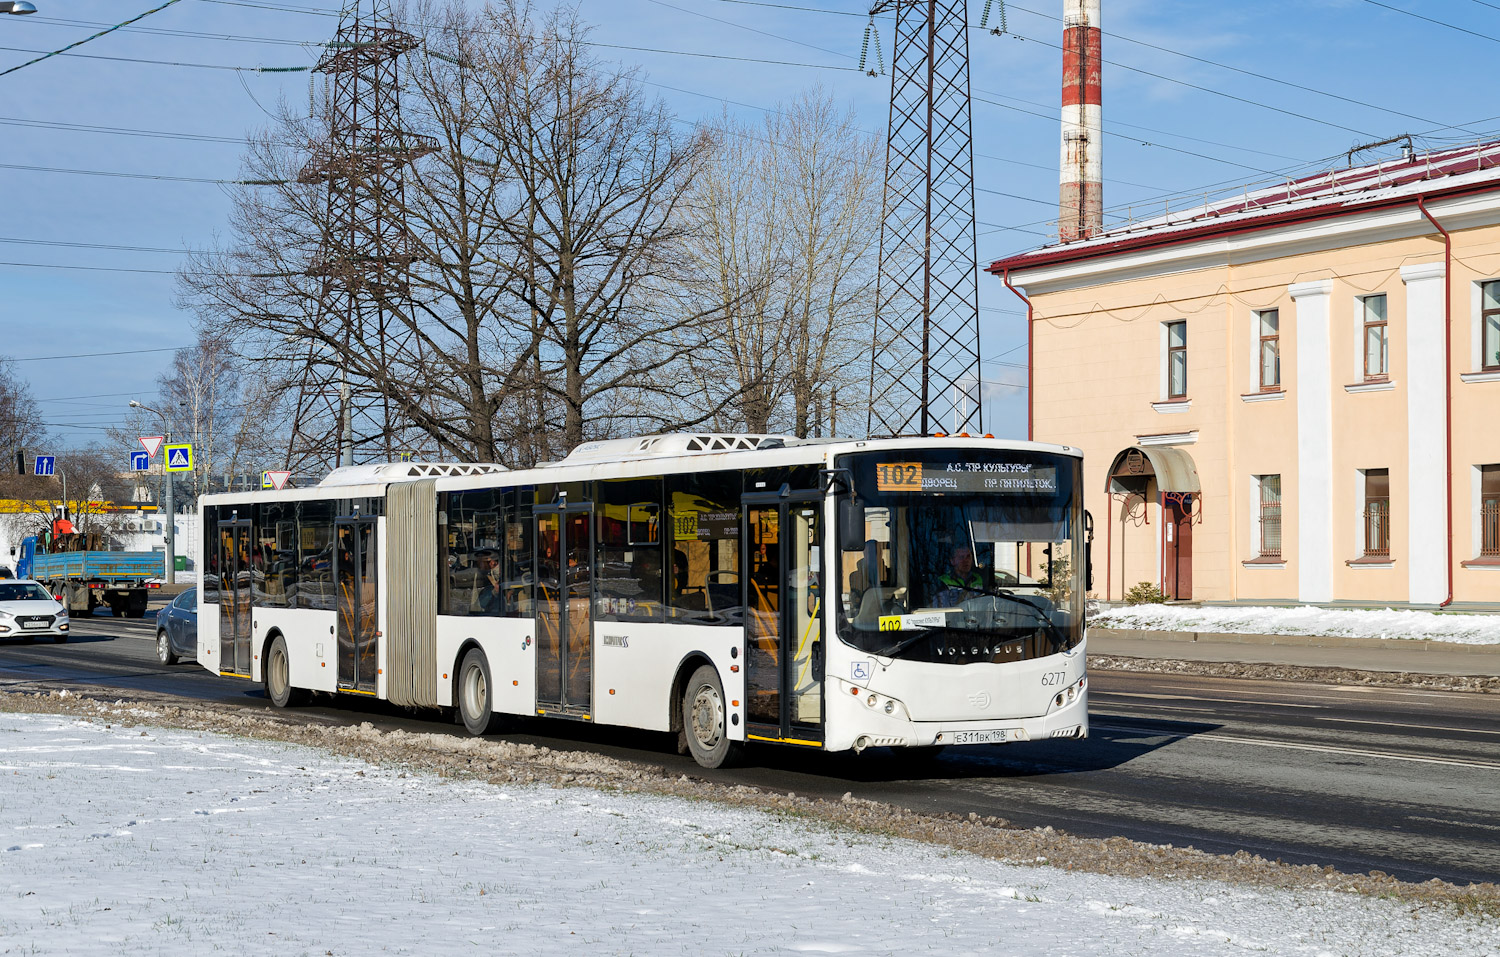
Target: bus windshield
962, 555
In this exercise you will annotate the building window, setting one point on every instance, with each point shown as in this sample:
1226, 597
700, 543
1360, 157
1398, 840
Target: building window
1269, 328
1269, 519
1376, 516
1489, 328
1376, 342
1489, 511
1177, 360
1268, 324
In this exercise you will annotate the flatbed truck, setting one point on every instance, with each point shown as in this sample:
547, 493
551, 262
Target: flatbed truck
84, 580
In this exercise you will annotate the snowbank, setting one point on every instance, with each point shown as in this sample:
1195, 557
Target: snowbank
122, 841
1348, 623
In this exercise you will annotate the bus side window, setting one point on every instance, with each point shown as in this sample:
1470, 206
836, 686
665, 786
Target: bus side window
209, 593
270, 583
464, 559
516, 532
315, 555
703, 529
628, 551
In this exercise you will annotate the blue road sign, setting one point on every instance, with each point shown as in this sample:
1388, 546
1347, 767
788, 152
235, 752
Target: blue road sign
140, 462
180, 457
45, 464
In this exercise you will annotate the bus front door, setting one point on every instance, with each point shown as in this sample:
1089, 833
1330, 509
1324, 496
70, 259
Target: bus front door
783, 618
564, 610
356, 577
236, 596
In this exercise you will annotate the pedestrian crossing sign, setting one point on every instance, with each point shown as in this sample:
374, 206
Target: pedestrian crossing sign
180, 457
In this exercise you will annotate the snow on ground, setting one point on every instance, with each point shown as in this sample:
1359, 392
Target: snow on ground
1340, 622
122, 841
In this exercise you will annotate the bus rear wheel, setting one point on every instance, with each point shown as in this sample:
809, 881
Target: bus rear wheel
279, 677
705, 720
474, 699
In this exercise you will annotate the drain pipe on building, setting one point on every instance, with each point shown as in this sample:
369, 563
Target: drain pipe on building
1447, 374
1029, 391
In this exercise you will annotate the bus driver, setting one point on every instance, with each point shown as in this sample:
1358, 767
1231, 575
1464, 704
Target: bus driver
961, 580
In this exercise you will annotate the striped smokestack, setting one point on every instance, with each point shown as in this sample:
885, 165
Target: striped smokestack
1081, 198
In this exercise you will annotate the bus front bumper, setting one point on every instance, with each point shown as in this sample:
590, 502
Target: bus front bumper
1070, 720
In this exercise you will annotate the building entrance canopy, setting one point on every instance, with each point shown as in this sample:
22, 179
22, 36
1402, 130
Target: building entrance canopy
1173, 469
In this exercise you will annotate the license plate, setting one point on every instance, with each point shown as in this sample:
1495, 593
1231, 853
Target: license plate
977, 737
33, 624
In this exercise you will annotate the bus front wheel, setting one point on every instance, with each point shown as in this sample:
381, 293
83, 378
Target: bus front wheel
704, 720
474, 701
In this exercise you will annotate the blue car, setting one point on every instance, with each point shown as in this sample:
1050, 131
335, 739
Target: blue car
177, 628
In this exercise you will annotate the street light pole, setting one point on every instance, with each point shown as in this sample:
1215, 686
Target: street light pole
169, 535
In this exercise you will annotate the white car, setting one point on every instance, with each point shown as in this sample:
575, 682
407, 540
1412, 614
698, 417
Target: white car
28, 611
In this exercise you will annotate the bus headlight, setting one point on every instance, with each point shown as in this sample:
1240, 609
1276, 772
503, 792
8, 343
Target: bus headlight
890, 706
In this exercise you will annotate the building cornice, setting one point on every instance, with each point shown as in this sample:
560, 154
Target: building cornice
1219, 244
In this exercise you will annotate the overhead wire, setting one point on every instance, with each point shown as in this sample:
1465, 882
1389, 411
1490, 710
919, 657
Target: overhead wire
1005, 106
94, 355
1235, 69
179, 63
150, 176
119, 131
1441, 23
96, 36
1124, 66
74, 245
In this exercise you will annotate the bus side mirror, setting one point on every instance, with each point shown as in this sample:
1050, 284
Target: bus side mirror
1088, 552
851, 526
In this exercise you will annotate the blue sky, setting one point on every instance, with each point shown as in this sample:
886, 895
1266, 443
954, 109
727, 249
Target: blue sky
1174, 126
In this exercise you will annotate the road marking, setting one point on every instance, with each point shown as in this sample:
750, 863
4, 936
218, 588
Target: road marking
1163, 697
1444, 820
1401, 694
1318, 748
1184, 697
1393, 724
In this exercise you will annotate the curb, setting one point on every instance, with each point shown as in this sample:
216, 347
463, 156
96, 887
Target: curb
1295, 641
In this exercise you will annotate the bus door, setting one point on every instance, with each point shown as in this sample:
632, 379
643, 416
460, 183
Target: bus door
783, 617
236, 590
564, 609
356, 577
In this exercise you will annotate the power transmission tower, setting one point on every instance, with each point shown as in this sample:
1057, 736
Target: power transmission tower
366, 251
925, 373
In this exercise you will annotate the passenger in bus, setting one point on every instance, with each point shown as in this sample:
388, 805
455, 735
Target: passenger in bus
491, 595
868, 572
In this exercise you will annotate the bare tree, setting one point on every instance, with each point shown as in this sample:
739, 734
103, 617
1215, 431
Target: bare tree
542, 225
20, 417
594, 228
785, 220
86, 484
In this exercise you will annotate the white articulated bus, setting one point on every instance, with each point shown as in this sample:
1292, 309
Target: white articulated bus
830, 594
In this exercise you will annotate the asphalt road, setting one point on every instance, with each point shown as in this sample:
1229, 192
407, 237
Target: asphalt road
1401, 781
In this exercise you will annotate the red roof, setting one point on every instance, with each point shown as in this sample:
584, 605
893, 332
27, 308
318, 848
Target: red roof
1469, 168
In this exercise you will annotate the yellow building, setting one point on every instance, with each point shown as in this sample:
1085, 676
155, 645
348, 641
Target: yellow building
1291, 396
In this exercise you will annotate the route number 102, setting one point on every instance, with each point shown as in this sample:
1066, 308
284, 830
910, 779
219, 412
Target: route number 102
898, 477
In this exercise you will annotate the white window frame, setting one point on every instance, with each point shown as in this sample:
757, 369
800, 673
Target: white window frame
1255, 336
1359, 339
1476, 328
1476, 503
1361, 543
1256, 540
1165, 387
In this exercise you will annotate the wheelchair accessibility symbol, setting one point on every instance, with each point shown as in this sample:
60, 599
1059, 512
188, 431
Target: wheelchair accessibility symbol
860, 671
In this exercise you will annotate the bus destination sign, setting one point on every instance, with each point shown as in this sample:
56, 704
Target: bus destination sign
993, 478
